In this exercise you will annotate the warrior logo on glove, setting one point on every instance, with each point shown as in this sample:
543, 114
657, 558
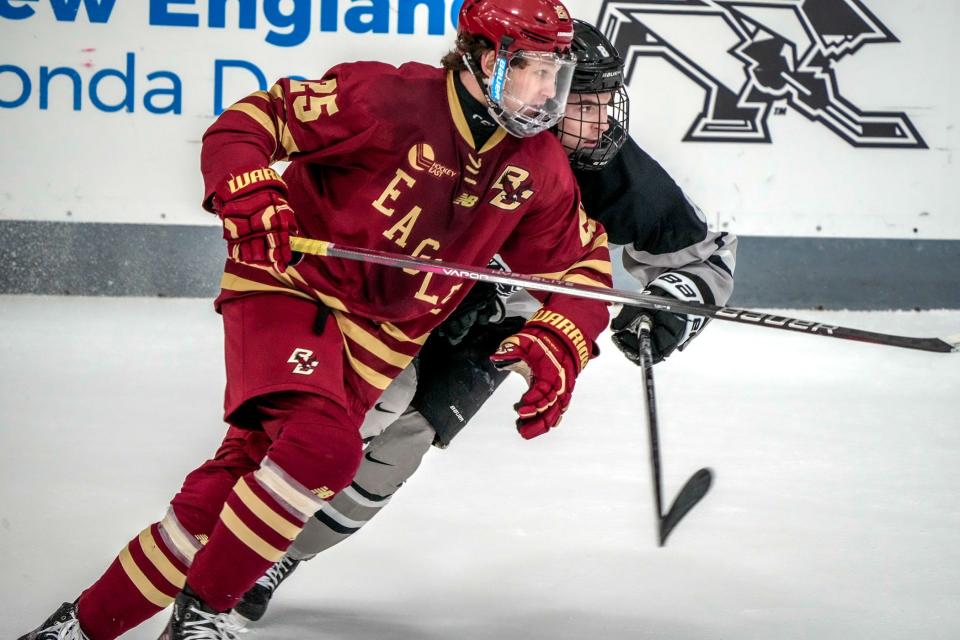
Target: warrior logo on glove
549, 360
257, 220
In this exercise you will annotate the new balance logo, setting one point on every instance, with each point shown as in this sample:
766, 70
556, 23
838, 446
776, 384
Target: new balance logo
323, 493
789, 50
465, 200
306, 363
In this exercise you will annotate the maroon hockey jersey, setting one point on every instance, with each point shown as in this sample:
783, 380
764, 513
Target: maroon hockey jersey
382, 157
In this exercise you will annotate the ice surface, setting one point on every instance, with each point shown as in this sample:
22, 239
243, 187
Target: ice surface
835, 512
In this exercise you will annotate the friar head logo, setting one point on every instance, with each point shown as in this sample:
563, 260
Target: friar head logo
785, 54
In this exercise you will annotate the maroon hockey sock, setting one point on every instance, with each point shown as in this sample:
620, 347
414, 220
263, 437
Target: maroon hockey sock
267, 509
252, 534
143, 579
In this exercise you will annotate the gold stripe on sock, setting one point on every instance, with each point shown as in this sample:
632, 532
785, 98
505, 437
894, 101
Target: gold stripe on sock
150, 548
260, 509
141, 582
257, 544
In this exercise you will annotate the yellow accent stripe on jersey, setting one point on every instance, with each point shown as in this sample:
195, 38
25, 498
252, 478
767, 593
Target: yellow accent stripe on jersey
371, 376
286, 141
599, 241
371, 343
140, 581
260, 509
305, 504
494, 140
173, 575
232, 282
259, 116
334, 303
456, 112
579, 278
246, 535
395, 333
600, 266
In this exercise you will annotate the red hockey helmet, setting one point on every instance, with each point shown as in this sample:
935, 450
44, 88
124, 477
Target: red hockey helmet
533, 68
527, 25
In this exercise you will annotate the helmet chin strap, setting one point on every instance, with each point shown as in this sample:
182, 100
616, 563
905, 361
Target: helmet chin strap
483, 81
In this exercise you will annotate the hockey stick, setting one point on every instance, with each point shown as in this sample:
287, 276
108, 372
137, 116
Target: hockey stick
483, 274
698, 484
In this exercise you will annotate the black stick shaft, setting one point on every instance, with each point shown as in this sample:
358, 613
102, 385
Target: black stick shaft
653, 431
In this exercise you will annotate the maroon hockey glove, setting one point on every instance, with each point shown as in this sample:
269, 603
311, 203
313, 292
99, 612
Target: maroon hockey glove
257, 220
549, 351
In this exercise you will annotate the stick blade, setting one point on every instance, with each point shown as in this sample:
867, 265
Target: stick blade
692, 492
953, 342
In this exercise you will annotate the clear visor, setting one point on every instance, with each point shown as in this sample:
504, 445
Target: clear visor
529, 90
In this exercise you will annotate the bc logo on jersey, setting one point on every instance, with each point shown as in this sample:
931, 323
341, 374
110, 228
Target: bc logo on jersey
788, 50
305, 361
511, 188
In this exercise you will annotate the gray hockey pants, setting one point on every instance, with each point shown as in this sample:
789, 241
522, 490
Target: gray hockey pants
388, 461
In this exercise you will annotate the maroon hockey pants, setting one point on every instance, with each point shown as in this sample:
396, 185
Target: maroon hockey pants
233, 518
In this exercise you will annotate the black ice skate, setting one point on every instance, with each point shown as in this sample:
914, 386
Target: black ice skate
62, 625
194, 620
254, 602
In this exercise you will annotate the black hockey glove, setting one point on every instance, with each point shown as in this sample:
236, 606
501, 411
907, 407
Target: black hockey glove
481, 306
668, 332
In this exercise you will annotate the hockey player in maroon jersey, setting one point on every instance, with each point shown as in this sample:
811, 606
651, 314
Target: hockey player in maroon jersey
667, 248
381, 157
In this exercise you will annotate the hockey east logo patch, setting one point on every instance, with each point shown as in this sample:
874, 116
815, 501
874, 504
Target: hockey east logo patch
784, 55
423, 158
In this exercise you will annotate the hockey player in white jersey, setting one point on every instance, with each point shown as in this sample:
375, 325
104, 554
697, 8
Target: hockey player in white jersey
667, 247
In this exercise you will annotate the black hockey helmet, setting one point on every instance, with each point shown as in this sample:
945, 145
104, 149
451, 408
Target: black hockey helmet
599, 72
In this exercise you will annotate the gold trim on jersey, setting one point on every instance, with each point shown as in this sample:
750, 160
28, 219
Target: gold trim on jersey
334, 303
259, 116
267, 515
494, 140
372, 377
579, 278
599, 241
247, 536
460, 121
141, 582
276, 126
395, 333
600, 266
371, 343
232, 282
287, 142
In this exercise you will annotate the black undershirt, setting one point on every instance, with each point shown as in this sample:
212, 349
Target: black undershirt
478, 116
